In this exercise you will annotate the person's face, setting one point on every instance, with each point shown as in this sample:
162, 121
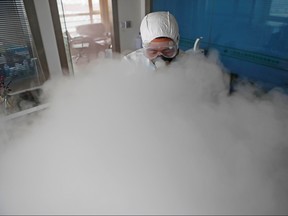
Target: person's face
161, 47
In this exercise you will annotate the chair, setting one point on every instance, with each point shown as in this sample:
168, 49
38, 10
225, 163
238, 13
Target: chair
97, 32
79, 46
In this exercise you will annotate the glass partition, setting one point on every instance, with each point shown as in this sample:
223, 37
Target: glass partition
21, 74
251, 35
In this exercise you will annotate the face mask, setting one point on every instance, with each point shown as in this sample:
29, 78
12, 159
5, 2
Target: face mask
159, 62
162, 60
166, 59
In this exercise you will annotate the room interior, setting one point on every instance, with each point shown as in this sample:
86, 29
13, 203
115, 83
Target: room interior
64, 41
85, 134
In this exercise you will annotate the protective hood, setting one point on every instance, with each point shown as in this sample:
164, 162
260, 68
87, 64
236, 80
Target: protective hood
159, 24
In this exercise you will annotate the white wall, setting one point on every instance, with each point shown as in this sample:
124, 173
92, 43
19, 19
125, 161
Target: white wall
133, 10
48, 36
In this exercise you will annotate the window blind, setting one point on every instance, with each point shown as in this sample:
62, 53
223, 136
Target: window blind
13, 25
18, 56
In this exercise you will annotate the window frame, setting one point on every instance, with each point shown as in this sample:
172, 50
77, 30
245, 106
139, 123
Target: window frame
36, 34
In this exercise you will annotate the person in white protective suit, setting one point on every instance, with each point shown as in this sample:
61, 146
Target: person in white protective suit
160, 40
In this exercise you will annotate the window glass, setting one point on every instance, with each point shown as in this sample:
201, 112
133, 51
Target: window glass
77, 12
96, 5
75, 6
20, 69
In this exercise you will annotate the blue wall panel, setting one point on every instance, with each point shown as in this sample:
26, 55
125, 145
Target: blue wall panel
250, 35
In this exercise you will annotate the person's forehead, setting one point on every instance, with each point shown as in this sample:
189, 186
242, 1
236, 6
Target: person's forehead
162, 39
161, 42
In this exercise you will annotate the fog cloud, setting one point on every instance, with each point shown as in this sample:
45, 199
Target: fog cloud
120, 139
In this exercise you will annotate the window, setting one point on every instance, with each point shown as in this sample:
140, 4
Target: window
78, 12
20, 70
81, 18
279, 8
18, 56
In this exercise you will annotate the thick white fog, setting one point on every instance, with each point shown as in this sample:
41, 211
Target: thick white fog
120, 139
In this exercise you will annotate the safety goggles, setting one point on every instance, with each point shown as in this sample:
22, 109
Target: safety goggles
167, 49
